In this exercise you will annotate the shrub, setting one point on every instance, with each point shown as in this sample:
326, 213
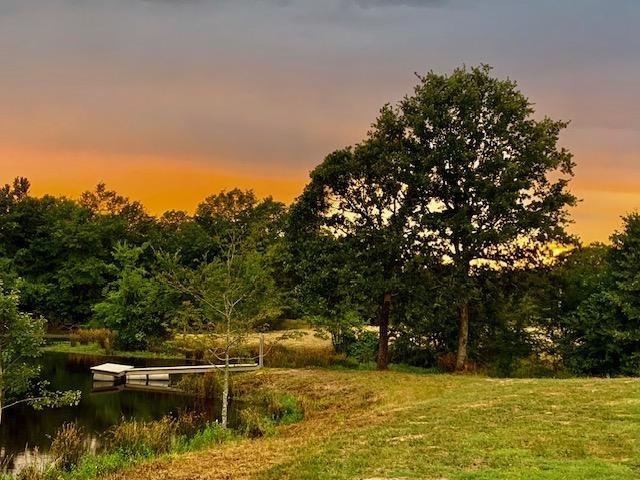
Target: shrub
207, 386
84, 336
211, 434
446, 362
280, 356
364, 346
254, 423
68, 446
38, 471
98, 466
413, 350
284, 408
188, 423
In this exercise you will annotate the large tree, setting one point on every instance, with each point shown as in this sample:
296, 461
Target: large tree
359, 207
493, 180
459, 171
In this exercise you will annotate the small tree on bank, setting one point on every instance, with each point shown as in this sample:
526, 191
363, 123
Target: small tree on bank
229, 297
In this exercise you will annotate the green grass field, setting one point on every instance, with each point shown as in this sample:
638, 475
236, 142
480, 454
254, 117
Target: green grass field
396, 425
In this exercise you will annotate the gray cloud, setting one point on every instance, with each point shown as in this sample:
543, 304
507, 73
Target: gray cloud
399, 3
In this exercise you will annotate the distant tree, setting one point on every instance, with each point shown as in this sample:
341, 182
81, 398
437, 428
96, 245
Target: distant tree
177, 231
327, 283
21, 339
598, 331
137, 305
240, 214
62, 248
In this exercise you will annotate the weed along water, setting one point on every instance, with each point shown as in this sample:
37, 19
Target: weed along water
26, 433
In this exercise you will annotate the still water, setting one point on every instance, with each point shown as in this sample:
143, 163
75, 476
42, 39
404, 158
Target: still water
26, 433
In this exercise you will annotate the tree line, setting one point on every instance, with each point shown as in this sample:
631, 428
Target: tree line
438, 228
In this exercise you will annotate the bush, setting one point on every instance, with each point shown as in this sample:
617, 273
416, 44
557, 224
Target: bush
102, 336
254, 423
38, 471
534, 367
364, 346
188, 423
207, 386
68, 446
284, 408
446, 362
280, 356
408, 349
213, 433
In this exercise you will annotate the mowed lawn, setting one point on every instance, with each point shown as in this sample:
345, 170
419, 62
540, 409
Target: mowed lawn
393, 425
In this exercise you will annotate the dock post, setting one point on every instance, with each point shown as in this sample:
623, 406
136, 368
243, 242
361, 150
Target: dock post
261, 354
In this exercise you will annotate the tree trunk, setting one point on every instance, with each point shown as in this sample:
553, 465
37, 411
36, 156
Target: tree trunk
383, 344
463, 335
225, 391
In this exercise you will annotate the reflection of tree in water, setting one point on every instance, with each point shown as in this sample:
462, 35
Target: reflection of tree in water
25, 430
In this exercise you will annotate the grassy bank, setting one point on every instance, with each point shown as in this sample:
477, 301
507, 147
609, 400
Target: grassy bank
290, 349
95, 349
397, 425
132, 442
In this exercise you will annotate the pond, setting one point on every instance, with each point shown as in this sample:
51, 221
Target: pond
26, 434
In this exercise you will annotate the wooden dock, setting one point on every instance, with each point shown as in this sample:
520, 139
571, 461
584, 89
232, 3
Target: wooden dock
114, 371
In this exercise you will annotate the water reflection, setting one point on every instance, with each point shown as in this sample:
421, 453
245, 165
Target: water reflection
26, 434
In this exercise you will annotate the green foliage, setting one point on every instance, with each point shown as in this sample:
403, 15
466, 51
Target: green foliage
62, 249
21, 337
459, 174
137, 305
98, 466
254, 423
37, 471
211, 434
362, 345
600, 327
283, 408
229, 296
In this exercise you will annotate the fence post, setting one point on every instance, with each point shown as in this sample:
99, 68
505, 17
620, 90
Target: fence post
261, 354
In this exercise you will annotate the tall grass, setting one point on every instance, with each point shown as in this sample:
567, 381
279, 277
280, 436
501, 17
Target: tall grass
131, 441
68, 446
102, 336
135, 437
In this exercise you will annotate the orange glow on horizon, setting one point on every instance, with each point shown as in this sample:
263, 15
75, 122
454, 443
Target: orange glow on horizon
160, 185
178, 184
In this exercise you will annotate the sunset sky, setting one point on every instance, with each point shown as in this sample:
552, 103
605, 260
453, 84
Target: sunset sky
170, 100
